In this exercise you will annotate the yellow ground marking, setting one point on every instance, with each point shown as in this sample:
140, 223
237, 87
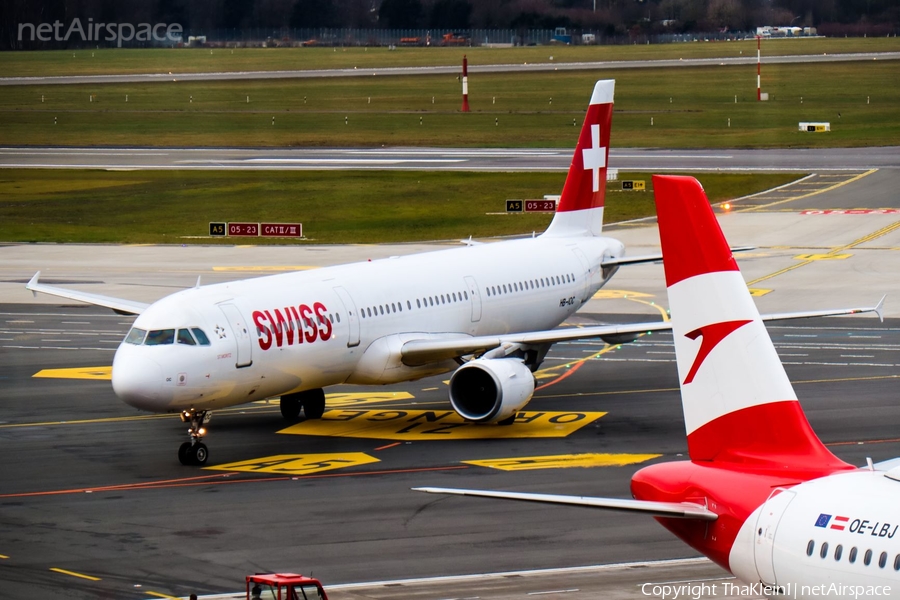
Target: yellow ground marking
3, 556
438, 425
758, 291
77, 373
866, 238
272, 268
431, 389
158, 595
562, 461
298, 464
351, 398
605, 294
74, 574
809, 194
822, 256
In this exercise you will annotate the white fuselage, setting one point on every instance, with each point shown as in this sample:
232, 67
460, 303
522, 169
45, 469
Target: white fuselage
346, 324
814, 538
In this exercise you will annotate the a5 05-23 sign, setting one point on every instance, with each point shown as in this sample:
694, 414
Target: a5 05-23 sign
289, 230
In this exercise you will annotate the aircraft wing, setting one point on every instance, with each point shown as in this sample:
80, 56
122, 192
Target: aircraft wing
675, 510
636, 260
421, 352
125, 307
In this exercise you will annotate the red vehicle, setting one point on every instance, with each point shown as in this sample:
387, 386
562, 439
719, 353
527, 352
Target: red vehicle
284, 586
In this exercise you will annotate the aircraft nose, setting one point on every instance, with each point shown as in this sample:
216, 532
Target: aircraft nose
137, 380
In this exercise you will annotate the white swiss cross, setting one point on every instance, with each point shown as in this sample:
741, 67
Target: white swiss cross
595, 156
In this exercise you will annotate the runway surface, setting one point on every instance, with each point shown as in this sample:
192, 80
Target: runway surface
830, 160
442, 70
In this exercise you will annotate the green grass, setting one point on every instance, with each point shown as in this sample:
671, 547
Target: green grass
89, 206
193, 60
690, 107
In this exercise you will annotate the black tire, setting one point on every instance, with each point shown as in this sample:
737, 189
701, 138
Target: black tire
183, 453
508, 420
199, 453
314, 404
290, 407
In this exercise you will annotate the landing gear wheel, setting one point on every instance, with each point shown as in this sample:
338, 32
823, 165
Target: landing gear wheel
199, 453
195, 451
314, 404
508, 420
290, 407
183, 451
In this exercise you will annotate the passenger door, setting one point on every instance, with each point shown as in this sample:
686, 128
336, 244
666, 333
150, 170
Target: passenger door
240, 329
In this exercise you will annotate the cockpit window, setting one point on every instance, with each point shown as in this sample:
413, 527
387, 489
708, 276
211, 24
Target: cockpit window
201, 337
184, 337
160, 337
135, 336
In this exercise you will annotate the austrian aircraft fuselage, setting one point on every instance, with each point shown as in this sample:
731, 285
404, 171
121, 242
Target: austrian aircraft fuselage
347, 324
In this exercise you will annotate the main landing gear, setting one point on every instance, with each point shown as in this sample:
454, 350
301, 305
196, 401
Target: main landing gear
195, 451
311, 401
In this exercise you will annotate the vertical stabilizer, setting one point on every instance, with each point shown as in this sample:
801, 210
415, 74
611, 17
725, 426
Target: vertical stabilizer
739, 405
580, 210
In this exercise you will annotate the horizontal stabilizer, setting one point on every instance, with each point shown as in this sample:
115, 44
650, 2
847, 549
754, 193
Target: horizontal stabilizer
127, 307
647, 258
674, 510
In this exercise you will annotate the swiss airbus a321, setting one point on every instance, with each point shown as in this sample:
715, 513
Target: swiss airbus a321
761, 495
485, 312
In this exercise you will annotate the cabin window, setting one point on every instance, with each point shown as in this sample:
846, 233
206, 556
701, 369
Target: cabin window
897, 563
418, 303
454, 296
201, 337
882, 559
409, 305
810, 547
465, 295
504, 288
381, 308
160, 337
824, 551
135, 336
369, 310
393, 307
867, 558
838, 551
430, 301
185, 337
852, 556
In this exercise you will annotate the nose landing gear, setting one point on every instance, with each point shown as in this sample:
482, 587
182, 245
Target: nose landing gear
195, 451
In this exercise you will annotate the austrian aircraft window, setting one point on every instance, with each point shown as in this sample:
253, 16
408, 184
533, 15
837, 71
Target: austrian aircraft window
160, 337
184, 337
201, 337
466, 295
853, 554
882, 560
810, 547
867, 558
838, 551
135, 336
418, 303
897, 563
824, 552
409, 305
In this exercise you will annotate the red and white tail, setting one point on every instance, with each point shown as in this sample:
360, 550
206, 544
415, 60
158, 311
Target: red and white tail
580, 209
739, 405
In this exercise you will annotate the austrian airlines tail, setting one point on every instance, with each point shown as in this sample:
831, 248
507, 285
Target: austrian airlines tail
739, 406
580, 210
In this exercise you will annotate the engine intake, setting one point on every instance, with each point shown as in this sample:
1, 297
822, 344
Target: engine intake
490, 390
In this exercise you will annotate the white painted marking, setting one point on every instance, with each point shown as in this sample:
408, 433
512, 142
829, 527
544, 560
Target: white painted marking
553, 592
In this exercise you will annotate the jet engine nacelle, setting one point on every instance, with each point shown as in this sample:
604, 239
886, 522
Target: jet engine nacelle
489, 390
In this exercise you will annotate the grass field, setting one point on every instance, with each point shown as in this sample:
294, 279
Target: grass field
194, 60
689, 107
334, 207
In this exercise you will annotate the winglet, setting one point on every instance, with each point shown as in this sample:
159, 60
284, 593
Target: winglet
879, 308
33, 283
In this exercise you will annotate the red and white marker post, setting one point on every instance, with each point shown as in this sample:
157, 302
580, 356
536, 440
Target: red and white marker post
758, 90
465, 82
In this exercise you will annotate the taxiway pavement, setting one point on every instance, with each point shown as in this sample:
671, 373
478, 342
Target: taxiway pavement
450, 69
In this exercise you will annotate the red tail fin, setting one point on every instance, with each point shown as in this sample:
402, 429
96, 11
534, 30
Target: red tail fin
739, 405
580, 210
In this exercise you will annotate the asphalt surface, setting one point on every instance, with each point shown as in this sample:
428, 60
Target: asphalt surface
91, 489
475, 69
